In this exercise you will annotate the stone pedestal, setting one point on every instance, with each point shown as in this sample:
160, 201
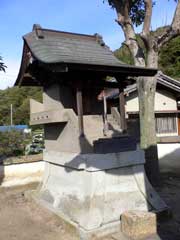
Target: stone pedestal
91, 191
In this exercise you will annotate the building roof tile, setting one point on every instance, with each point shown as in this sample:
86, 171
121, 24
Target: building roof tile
59, 51
50, 46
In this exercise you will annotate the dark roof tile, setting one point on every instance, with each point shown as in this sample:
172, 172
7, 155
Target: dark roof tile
56, 47
78, 51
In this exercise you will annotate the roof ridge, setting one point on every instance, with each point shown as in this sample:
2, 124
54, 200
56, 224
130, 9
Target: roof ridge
175, 81
69, 33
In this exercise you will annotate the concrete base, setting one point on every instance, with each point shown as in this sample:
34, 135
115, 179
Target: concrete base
21, 174
93, 199
77, 231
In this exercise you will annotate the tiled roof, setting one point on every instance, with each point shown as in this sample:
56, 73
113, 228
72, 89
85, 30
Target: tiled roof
49, 46
162, 79
59, 51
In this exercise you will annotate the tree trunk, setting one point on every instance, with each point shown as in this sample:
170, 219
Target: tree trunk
146, 86
146, 91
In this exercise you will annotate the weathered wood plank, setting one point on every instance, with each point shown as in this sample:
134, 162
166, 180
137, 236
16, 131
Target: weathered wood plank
122, 110
80, 111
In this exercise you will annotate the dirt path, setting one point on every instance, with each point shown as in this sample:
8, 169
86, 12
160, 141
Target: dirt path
21, 219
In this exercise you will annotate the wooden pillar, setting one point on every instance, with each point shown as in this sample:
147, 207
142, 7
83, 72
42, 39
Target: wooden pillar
122, 109
178, 120
80, 111
105, 129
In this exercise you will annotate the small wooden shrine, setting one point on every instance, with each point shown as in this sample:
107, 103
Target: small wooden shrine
94, 170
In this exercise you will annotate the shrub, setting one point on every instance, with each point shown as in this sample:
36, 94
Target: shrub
12, 143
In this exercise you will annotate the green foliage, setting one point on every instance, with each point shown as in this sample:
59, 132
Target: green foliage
19, 98
11, 143
136, 9
2, 66
169, 58
124, 55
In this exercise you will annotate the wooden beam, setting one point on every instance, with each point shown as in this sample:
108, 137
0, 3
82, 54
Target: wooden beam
80, 111
118, 70
122, 109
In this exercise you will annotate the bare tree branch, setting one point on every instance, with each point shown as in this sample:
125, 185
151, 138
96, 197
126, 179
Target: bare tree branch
166, 37
176, 20
122, 9
124, 20
145, 35
173, 31
147, 19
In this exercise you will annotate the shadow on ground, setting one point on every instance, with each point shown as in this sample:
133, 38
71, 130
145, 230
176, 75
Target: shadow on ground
169, 226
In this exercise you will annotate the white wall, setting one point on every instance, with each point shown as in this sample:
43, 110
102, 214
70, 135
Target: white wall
132, 104
163, 101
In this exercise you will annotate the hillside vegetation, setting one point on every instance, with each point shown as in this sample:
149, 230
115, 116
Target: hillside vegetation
19, 98
169, 57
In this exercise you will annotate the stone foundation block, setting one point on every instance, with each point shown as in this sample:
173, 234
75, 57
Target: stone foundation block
138, 224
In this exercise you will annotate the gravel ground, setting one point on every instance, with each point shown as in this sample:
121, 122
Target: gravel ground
22, 219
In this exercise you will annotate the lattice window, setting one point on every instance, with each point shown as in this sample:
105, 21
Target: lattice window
166, 125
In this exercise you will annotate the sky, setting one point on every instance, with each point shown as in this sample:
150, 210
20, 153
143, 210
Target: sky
80, 16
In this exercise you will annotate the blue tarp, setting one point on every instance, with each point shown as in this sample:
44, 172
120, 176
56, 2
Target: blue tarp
14, 127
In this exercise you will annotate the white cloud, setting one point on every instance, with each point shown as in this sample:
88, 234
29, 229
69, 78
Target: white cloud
8, 78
